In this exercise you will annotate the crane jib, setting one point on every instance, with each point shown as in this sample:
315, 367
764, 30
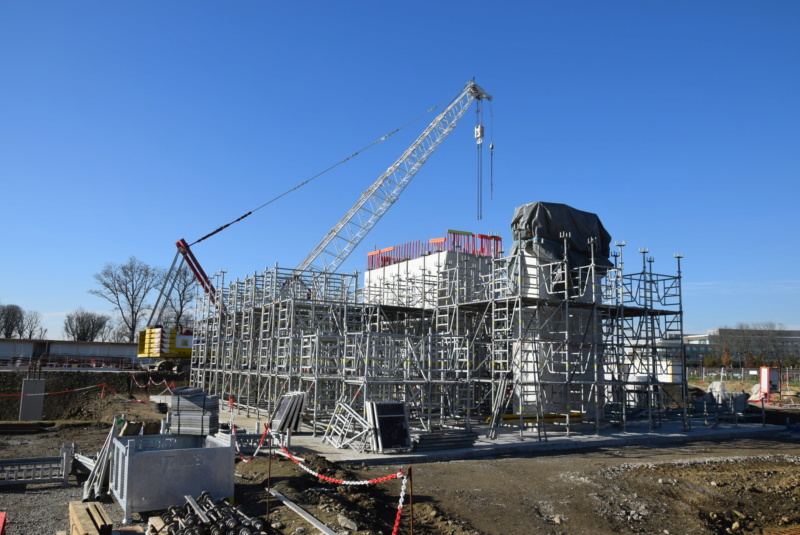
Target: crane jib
196, 269
345, 236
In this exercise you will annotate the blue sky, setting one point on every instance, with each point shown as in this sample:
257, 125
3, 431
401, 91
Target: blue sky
125, 126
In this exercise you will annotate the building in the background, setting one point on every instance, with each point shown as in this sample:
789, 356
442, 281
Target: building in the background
67, 354
747, 347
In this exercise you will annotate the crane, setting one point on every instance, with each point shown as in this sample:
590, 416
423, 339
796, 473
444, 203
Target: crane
345, 236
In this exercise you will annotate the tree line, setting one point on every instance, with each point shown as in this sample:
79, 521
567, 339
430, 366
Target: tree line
751, 345
16, 322
129, 287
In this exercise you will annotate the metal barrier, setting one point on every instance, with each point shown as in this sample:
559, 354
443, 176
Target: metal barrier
38, 469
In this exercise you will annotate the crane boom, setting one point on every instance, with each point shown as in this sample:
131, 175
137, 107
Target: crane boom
345, 236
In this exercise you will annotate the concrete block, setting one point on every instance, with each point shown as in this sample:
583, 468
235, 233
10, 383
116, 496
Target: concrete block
32, 401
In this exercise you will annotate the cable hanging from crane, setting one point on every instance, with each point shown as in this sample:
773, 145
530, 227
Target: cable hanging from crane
491, 152
479, 143
479, 134
301, 184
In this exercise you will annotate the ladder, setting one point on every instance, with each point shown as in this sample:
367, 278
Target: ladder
347, 428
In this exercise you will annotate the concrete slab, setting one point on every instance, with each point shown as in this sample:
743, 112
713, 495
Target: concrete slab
512, 443
32, 400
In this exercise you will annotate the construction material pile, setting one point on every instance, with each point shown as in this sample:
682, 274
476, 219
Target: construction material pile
192, 412
204, 515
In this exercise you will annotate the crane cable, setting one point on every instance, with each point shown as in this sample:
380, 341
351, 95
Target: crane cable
301, 184
479, 144
479, 140
491, 152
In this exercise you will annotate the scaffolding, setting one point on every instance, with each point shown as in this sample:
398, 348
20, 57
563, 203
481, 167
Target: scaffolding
460, 334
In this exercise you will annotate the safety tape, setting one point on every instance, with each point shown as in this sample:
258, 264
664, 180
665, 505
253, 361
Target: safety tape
149, 382
258, 448
168, 389
400, 506
133, 378
104, 386
399, 474
341, 481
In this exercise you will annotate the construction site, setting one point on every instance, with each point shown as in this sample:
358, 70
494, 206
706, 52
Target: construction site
458, 333
452, 347
454, 331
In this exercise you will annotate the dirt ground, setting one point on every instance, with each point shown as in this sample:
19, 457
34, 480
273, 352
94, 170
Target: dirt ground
742, 486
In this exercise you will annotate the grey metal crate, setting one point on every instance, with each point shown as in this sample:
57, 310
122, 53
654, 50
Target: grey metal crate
152, 472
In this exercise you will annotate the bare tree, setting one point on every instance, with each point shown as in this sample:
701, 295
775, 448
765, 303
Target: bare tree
114, 331
84, 326
182, 294
32, 326
11, 318
127, 286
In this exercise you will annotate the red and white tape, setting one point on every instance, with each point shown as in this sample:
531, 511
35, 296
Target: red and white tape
258, 448
341, 481
397, 475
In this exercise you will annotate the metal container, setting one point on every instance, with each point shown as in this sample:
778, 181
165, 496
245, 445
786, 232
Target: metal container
152, 472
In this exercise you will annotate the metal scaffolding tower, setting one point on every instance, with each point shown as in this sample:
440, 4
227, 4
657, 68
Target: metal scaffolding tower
461, 335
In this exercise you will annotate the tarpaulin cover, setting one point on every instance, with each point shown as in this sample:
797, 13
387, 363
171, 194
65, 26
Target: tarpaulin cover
547, 220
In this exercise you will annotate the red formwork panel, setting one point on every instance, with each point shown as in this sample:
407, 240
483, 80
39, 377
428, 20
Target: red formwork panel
2, 524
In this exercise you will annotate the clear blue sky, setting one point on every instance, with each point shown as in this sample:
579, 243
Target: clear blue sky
125, 126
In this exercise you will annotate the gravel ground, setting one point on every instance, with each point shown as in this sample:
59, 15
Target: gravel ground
43, 508
690, 489
38, 509
752, 485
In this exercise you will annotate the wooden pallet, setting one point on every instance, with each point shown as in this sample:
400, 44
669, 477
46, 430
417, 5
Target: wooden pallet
88, 518
155, 524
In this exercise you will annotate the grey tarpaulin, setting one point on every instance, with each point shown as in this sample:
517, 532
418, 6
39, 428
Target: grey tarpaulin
547, 220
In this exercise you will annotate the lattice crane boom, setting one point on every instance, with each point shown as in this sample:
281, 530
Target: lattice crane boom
345, 236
